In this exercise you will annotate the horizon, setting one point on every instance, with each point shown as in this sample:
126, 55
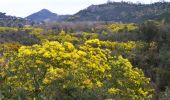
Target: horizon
25, 8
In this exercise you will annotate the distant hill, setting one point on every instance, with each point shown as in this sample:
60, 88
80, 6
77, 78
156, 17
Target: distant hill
123, 12
12, 21
112, 11
45, 15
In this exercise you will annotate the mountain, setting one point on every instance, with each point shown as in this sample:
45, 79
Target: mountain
123, 12
45, 15
12, 21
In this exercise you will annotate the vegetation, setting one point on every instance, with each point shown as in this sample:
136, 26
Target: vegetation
107, 61
12, 21
123, 12
53, 70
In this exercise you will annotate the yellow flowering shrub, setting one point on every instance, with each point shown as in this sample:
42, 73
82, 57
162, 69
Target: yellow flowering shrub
8, 29
113, 91
117, 27
62, 71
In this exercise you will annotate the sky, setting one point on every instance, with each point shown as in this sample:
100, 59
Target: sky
23, 8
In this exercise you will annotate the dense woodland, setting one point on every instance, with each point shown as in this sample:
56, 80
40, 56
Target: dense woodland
86, 61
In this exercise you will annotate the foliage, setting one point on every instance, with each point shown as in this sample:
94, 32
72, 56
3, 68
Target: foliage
117, 28
86, 61
150, 30
25, 36
60, 71
7, 29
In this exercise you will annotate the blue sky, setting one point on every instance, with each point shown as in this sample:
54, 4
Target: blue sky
22, 8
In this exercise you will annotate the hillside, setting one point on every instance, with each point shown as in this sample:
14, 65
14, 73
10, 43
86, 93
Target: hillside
12, 21
46, 16
123, 12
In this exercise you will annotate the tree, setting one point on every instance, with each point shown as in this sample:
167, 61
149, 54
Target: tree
150, 30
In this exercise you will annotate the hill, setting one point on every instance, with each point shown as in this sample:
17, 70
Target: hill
45, 15
123, 12
12, 21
